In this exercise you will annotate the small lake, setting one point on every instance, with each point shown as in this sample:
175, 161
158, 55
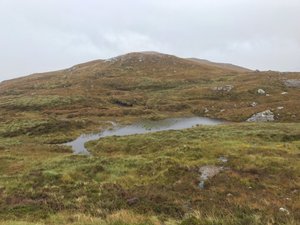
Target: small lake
142, 127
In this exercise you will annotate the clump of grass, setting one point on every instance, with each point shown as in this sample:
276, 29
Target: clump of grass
39, 102
40, 127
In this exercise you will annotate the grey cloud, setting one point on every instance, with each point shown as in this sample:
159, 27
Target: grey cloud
46, 35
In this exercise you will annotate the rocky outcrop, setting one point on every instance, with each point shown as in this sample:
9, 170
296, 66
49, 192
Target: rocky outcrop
264, 116
292, 83
226, 88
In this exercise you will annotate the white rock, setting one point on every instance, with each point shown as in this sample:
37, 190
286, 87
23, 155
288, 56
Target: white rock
280, 107
226, 88
264, 116
209, 171
253, 104
284, 210
261, 91
284, 93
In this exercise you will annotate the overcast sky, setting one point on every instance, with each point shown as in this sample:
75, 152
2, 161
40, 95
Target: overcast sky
37, 36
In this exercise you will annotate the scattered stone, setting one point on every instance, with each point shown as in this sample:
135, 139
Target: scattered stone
229, 195
222, 110
223, 159
208, 172
253, 104
201, 184
226, 88
292, 83
114, 59
284, 210
264, 116
261, 91
206, 110
284, 93
280, 107
72, 68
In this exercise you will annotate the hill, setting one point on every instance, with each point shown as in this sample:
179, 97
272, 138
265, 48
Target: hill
151, 84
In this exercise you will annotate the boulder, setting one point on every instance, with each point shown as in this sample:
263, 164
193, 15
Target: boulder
209, 171
264, 116
292, 83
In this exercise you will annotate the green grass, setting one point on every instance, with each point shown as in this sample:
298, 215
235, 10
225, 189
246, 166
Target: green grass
39, 102
159, 171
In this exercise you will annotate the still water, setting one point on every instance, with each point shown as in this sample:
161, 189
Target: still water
141, 127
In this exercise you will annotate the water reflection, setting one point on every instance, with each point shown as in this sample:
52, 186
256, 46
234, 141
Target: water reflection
141, 128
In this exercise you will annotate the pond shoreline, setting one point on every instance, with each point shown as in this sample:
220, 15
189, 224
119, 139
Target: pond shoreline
141, 127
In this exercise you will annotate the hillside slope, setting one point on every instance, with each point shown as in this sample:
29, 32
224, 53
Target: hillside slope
220, 65
152, 85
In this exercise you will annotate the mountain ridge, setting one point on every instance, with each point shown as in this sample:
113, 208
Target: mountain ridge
222, 65
137, 55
